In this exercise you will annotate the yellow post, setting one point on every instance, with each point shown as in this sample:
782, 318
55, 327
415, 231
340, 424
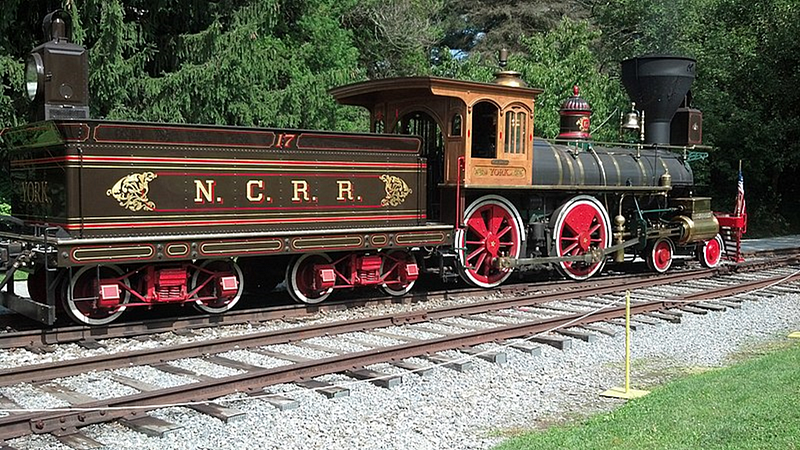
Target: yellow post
627, 341
794, 335
626, 392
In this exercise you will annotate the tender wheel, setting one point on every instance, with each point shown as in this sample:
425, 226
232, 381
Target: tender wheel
659, 258
301, 278
391, 267
492, 229
710, 252
209, 277
581, 225
81, 301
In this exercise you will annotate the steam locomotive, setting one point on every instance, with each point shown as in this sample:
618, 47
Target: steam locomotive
110, 215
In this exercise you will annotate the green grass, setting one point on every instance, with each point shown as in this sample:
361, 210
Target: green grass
18, 276
753, 405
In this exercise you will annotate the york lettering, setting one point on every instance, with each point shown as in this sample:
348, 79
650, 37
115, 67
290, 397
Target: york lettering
501, 172
35, 192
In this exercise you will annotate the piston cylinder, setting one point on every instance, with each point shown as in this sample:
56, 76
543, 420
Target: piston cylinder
697, 221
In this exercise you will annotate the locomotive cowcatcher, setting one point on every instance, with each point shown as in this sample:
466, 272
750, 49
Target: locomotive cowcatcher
110, 215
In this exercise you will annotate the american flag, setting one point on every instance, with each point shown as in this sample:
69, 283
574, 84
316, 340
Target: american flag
739, 209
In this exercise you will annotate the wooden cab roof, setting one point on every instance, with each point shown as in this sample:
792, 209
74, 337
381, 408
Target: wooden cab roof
369, 93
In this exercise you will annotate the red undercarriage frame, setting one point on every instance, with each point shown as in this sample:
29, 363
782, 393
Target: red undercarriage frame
150, 285
354, 270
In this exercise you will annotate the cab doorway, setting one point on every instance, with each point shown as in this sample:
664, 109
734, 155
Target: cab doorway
422, 124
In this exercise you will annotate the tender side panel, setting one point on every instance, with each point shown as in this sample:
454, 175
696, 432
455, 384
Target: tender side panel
123, 179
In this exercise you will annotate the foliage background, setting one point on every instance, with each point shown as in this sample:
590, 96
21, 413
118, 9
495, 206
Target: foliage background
270, 63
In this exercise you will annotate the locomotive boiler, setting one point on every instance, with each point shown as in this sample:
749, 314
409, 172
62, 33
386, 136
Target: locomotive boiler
110, 215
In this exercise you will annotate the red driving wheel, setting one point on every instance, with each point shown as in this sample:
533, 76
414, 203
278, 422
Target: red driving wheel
581, 226
491, 230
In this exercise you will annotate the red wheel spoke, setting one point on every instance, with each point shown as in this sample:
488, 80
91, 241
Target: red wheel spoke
476, 224
503, 232
495, 219
570, 248
476, 252
579, 219
480, 263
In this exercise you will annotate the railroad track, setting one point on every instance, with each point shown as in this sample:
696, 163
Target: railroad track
35, 338
462, 327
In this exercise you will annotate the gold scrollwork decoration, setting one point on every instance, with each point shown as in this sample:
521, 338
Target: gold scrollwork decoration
396, 190
131, 191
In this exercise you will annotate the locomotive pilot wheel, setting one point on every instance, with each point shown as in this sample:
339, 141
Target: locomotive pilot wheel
300, 278
209, 299
492, 229
659, 258
580, 226
710, 252
390, 268
81, 301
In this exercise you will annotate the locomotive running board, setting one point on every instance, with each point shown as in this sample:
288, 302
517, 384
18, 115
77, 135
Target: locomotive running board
590, 257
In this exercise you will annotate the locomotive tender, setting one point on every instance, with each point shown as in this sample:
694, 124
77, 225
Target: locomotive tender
110, 215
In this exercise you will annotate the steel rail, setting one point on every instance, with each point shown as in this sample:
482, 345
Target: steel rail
38, 336
75, 333
17, 425
49, 371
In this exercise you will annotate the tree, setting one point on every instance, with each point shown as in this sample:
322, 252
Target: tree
234, 62
265, 63
488, 25
395, 38
554, 61
747, 53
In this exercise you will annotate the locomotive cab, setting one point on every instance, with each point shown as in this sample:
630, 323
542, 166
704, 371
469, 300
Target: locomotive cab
488, 126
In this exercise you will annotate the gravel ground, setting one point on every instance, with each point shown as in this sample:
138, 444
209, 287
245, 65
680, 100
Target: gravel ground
448, 409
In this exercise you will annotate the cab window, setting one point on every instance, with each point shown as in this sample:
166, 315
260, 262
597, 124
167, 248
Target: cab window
455, 126
515, 132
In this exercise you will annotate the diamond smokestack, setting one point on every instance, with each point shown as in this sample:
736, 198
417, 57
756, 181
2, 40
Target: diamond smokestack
658, 84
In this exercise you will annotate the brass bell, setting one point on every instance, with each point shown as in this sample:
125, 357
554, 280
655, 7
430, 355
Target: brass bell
630, 121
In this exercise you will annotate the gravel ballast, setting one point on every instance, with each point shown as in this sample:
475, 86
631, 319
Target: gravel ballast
452, 410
